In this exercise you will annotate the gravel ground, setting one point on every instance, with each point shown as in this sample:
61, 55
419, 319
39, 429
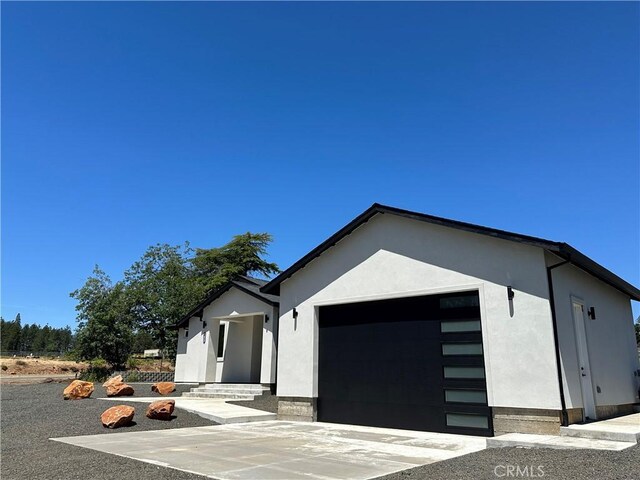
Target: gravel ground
548, 464
265, 402
31, 414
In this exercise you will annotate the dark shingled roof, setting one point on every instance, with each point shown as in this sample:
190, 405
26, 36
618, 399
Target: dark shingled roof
560, 249
243, 283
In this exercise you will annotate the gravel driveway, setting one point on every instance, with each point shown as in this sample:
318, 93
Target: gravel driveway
31, 414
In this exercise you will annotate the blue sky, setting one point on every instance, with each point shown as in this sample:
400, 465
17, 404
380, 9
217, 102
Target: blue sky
129, 124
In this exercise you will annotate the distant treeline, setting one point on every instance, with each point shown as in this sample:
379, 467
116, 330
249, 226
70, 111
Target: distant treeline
14, 337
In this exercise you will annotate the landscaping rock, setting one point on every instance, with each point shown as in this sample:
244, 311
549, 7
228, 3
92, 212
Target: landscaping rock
161, 409
119, 390
163, 388
118, 416
113, 381
78, 389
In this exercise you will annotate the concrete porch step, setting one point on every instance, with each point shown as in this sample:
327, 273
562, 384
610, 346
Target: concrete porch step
228, 396
238, 387
228, 392
529, 440
620, 429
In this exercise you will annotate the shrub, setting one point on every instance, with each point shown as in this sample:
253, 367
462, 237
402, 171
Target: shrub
64, 369
4, 367
132, 363
98, 371
133, 377
22, 363
95, 374
98, 363
70, 356
74, 369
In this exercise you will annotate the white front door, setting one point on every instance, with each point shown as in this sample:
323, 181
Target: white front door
588, 400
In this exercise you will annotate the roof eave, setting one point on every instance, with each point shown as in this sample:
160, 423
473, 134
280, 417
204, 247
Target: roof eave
562, 249
596, 270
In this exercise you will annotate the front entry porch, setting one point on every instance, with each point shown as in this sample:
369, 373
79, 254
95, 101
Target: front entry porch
231, 337
238, 348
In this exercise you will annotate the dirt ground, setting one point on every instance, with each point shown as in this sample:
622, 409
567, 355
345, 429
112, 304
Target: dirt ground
48, 366
39, 366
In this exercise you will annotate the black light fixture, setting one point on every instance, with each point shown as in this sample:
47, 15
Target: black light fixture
591, 313
266, 318
204, 324
295, 313
510, 293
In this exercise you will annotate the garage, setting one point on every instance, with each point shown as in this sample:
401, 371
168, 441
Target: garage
413, 363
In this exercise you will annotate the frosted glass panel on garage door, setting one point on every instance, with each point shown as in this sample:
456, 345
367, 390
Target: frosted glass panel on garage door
462, 349
463, 372
456, 326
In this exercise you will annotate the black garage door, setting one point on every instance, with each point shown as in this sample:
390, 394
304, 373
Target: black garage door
414, 363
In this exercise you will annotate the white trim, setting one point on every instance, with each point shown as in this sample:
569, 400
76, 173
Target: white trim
488, 374
399, 294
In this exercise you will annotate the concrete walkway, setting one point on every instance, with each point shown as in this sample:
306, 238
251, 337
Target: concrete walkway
614, 434
210, 408
284, 450
621, 429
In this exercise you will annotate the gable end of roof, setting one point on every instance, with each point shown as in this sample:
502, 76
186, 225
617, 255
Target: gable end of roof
561, 249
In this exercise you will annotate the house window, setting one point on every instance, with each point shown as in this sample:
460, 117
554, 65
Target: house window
221, 341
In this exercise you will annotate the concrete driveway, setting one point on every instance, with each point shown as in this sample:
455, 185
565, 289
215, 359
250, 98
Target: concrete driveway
284, 450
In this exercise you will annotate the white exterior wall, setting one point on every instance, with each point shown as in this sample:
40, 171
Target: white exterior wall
191, 358
613, 355
196, 360
391, 256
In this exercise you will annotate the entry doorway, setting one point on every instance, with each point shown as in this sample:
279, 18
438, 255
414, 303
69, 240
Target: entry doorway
584, 367
239, 349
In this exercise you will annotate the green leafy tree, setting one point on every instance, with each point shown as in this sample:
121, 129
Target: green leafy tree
104, 320
156, 292
142, 340
243, 255
161, 288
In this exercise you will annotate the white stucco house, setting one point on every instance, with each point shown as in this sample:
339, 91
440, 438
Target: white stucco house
407, 320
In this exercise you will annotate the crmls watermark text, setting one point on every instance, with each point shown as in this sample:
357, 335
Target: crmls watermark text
518, 471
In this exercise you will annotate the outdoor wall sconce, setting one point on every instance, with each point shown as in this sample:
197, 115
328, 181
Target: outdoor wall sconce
295, 313
204, 324
266, 319
510, 293
591, 313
